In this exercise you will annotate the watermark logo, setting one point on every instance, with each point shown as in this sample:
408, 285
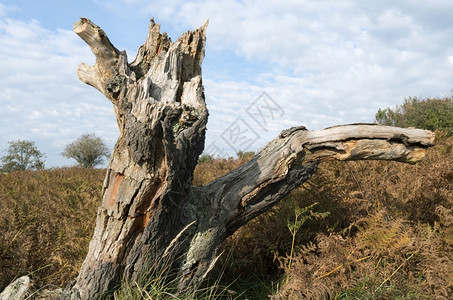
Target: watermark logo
241, 135
264, 110
214, 150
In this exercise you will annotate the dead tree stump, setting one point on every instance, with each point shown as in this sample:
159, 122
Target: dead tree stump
150, 212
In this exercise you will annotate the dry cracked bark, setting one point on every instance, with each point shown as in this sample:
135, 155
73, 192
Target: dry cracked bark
151, 213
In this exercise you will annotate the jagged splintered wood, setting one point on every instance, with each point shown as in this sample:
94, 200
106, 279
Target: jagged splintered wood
150, 213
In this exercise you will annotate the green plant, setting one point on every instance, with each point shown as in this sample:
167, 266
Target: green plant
22, 155
153, 284
88, 150
158, 283
430, 113
246, 156
205, 158
301, 215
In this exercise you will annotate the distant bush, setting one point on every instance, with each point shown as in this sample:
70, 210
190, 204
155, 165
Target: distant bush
205, 158
88, 150
22, 155
430, 113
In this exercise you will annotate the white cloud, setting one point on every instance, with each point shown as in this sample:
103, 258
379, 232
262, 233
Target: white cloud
42, 99
4, 9
324, 62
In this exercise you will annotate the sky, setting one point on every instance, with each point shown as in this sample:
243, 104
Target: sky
269, 65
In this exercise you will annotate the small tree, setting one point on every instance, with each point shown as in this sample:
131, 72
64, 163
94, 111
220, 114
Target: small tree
22, 155
430, 113
88, 150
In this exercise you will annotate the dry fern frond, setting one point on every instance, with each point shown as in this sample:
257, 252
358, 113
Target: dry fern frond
435, 262
445, 215
381, 234
320, 269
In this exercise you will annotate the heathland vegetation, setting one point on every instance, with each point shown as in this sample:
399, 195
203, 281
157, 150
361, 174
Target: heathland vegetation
356, 230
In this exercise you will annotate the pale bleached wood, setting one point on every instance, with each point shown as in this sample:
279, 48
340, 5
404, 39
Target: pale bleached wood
283, 164
109, 60
161, 113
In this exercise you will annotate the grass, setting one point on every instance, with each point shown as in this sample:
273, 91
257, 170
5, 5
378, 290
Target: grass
386, 232
46, 222
154, 284
388, 235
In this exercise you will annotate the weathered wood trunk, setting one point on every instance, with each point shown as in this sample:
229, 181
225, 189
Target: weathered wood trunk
150, 211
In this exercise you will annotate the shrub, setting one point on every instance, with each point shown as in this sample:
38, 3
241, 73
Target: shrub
430, 113
88, 150
22, 155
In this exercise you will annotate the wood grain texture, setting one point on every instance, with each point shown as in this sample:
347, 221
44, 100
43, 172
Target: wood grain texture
150, 209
